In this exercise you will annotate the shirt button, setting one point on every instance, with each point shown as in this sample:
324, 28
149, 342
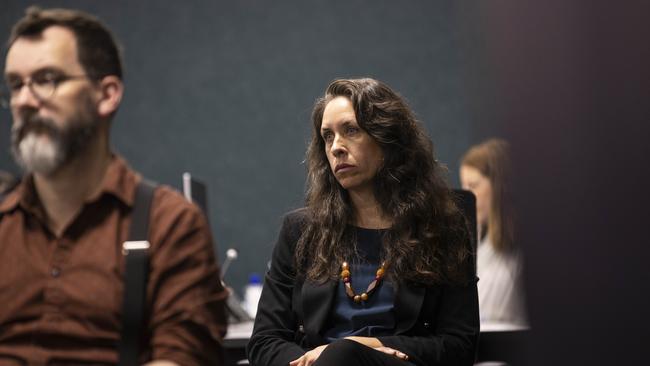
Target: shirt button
55, 272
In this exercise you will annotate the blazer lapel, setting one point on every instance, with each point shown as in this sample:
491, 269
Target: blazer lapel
408, 303
316, 304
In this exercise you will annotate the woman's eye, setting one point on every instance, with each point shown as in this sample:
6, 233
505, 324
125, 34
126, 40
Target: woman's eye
352, 130
327, 136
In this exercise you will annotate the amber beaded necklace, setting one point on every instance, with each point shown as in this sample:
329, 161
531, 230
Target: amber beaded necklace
345, 276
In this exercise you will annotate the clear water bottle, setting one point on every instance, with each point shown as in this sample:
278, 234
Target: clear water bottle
252, 294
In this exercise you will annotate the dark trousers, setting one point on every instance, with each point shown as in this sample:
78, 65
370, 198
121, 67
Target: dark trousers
346, 352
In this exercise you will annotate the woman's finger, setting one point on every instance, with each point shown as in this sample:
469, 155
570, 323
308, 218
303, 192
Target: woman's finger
394, 352
297, 362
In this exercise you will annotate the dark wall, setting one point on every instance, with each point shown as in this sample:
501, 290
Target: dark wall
224, 89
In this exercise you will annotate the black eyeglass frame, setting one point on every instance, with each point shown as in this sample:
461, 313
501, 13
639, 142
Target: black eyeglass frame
7, 93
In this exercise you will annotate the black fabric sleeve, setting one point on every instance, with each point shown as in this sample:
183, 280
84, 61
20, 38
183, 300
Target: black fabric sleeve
454, 334
272, 342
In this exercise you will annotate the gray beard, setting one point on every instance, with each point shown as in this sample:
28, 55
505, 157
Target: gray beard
39, 146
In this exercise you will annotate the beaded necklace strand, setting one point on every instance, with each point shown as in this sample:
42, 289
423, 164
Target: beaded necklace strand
345, 276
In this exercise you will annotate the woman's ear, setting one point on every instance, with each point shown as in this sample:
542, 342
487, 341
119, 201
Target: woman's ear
111, 89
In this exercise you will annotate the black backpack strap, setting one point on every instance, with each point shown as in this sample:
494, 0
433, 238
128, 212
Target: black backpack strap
136, 256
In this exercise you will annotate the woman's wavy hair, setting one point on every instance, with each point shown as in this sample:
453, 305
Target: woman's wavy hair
492, 159
428, 242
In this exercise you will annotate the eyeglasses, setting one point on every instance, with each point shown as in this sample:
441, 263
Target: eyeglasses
42, 85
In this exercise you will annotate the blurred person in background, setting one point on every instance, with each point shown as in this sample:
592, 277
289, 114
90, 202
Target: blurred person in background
485, 171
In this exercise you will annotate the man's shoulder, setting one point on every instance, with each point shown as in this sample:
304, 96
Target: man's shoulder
167, 200
175, 221
7, 183
9, 194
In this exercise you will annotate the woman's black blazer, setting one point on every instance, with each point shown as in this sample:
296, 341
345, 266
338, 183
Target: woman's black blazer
436, 325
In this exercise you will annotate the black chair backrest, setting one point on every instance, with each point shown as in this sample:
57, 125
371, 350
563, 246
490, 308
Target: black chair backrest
196, 191
466, 202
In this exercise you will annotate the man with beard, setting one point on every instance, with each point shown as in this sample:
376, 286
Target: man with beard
62, 228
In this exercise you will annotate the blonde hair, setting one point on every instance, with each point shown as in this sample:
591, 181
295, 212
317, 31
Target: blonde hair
492, 159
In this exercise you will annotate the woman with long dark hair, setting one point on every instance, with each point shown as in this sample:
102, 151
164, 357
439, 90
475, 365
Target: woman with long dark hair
377, 268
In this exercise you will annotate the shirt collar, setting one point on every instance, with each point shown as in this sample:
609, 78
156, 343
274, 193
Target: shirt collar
119, 181
14, 197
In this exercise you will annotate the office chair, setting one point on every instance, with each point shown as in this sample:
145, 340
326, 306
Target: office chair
495, 348
466, 202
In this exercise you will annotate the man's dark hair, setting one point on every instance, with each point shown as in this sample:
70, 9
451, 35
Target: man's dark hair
97, 49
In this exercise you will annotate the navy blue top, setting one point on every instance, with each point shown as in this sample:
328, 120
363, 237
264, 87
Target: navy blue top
371, 318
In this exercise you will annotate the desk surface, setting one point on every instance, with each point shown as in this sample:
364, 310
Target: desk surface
238, 334
501, 327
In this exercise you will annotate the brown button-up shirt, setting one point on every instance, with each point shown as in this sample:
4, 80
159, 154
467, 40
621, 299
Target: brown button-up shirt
61, 297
